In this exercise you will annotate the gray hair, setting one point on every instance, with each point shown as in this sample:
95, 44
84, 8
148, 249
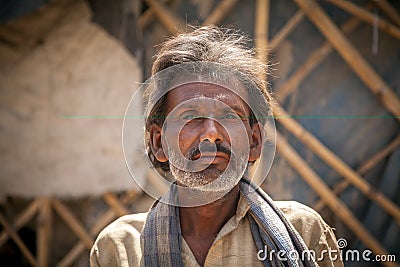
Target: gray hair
215, 45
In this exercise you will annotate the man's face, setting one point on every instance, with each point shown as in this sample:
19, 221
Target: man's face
207, 127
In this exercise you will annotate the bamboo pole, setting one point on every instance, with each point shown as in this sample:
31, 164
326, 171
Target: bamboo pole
114, 203
146, 18
171, 22
286, 30
335, 162
388, 9
337, 206
72, 223
311, 63
353, 58
102, 222
339, 187
369, 164
72, 255
20, 244
367, 16
23, 218
261, 26
220, 12
80, 247
261, 32
43, 233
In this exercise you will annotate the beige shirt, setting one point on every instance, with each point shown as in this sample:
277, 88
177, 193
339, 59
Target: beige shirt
119, 243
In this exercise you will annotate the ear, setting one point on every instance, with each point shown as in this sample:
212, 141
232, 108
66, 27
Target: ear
255, 142
156, 143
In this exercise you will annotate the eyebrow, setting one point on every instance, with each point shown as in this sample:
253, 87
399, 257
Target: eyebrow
235, 108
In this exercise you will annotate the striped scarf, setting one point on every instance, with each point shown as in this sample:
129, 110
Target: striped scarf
161, 237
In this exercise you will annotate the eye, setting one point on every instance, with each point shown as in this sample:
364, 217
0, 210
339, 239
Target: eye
230, 116
189, 117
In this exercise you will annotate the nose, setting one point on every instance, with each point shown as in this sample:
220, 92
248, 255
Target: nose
211, 130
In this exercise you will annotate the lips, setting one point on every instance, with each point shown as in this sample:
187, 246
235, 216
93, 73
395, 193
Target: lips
208, 157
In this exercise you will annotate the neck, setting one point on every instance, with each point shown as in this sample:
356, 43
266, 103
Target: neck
207, 220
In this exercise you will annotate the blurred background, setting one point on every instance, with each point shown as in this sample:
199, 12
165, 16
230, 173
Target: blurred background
68, 69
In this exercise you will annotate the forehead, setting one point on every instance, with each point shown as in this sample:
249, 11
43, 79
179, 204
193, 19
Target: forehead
190, 91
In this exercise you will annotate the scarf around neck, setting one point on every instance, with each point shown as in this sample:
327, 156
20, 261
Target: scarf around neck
161, 237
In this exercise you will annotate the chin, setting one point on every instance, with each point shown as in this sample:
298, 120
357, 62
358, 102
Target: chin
215, 178
208, 180
195, 179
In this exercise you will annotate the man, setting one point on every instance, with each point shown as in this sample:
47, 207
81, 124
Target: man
206, 116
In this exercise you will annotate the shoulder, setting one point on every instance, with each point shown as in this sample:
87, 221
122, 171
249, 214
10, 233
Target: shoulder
119, 243
130, 222
317, 235
308, 223
125, 227
298, 213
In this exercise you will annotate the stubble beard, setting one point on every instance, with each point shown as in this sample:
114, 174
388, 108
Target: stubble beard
211, 179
